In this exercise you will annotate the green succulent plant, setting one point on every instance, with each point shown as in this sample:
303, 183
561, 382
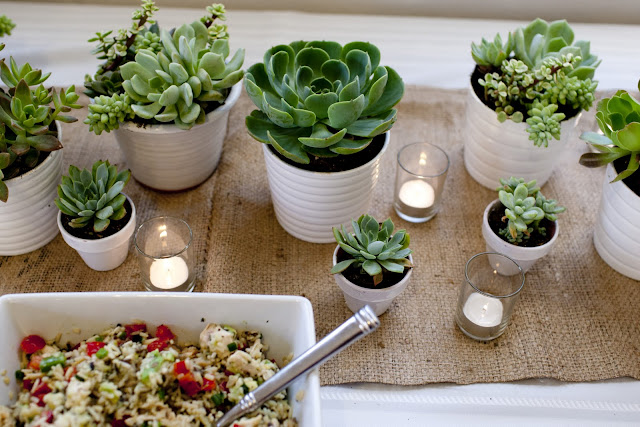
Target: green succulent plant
93, 197
619, 120
321, 99
543, 76
26, 119
525, 208
373, 247
6, 25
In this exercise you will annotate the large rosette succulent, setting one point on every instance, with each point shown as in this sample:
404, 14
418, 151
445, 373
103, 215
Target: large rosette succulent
321, 99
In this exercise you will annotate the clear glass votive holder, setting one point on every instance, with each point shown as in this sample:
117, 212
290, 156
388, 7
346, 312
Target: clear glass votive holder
487, 298
420, 176
163, 245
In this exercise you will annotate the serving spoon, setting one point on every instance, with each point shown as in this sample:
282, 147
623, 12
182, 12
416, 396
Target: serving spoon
357, 326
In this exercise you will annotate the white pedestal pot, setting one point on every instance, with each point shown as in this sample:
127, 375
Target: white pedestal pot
308, 204
525, 257
617, 229
106, 253
28, 218
495, 150
165, 157
379, 300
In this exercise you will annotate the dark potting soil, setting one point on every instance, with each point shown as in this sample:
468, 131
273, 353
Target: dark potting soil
87, 231
633, 182
495, 222
479, 90
364, 280
340, 163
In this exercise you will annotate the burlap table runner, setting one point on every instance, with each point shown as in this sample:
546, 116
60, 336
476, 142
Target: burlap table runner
577, 319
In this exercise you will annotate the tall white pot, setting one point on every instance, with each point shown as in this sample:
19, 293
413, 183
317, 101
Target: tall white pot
28, 218
308, 204
165, 157
495, 150
617, 229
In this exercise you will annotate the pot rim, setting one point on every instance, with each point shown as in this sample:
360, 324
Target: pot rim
45, 161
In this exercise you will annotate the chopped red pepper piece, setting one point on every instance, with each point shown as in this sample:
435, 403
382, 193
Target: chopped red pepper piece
186, 379
48, 416
157, 345
208, 384
180, 368
32, 343
34, 362
40, 392
164, 333
93, 347
136, 327
27, 384
120, 422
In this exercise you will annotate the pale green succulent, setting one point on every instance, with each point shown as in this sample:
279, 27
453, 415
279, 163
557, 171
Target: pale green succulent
492, 53
6, 25
93, 197
619, 120
525, 208
107, 112
373, 247
321, 99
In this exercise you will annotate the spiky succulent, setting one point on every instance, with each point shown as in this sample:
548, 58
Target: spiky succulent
543, 70
6, 25
373, 247
619, 120
525, 208
321, 99
26, 119
93, 197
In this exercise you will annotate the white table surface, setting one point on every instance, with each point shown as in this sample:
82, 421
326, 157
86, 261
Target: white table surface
425, 51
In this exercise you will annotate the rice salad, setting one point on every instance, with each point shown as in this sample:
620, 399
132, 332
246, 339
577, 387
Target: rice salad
127, 377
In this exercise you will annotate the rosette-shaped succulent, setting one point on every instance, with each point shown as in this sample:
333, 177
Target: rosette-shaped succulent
373, 247
174, 85
93, 196
492, 53
6, 25
321, 99
619, 120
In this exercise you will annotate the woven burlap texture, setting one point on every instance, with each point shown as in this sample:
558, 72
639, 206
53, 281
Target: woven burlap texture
576, 320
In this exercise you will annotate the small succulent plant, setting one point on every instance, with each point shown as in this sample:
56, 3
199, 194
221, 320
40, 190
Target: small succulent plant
321, 99
26, 119
6, 25
619, 120
540, 73
373, 247
93, 197
525, 208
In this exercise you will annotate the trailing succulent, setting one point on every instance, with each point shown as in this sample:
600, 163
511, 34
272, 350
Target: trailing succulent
536, 73
6, 25
26, 119
321, 99
619, 120
525, 208
373, 247
93, 197
162, 76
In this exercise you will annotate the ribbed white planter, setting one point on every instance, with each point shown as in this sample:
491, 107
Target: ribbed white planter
103, 254
28, 219
165, 157
308, 204
379, 300
525, 257
495, 150
617, 229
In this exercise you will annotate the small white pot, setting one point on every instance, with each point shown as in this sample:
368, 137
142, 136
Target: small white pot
494, 150
379, 300
165, 157
28, 218
103, 254
308, 204
617, 229
525, 257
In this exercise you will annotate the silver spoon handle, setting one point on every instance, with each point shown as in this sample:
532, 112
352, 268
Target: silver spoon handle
357, 326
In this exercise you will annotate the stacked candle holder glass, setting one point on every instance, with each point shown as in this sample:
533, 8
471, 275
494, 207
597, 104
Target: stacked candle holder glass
420, 177
165, 254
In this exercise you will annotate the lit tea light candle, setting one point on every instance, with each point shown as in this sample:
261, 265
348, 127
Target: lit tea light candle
483, 310
168, 273
417, 194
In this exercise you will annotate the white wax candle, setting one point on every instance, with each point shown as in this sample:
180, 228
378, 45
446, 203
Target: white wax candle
483, 310
168, 273
417, 193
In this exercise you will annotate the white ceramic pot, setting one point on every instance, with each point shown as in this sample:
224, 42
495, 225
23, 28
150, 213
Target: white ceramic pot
617, 229
525, 257
379, 300
28, 218
165, 157
308, 204
494, 150
103, 254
